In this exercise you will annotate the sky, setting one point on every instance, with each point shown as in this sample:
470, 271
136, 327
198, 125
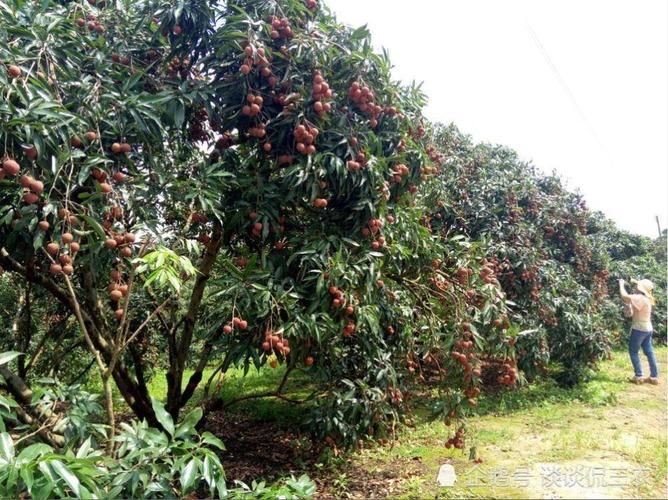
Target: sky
576, 86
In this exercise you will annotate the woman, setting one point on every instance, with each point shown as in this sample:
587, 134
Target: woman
641, 328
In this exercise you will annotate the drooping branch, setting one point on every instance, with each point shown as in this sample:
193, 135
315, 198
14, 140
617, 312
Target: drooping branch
124, 381
31, 413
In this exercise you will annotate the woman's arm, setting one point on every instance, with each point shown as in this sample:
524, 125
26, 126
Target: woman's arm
622, 291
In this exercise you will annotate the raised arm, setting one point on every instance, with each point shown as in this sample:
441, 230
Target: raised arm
622, 291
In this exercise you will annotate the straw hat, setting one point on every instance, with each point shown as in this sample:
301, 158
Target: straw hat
646, 287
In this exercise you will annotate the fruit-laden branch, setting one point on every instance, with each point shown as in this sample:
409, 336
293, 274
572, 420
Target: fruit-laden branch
105, 370
34, 415
182, 347
126, 385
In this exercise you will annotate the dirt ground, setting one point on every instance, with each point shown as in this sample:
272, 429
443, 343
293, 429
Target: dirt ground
608, 442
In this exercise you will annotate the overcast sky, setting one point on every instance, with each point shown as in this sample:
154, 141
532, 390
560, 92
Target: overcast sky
580, 87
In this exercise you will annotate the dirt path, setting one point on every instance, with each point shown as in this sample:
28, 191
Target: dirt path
607, 441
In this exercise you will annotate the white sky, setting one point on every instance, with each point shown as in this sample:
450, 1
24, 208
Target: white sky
602, 124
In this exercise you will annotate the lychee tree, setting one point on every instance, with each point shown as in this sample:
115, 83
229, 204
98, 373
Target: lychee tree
538, 235
233, 183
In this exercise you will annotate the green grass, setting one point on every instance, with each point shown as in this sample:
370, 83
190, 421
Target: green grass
602, 419
235, 384
539, 423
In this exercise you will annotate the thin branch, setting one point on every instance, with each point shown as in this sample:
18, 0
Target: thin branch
146, 321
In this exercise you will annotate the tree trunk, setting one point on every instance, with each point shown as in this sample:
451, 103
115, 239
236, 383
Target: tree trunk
181, 348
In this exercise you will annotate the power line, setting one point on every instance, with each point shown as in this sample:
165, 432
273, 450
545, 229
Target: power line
564, 86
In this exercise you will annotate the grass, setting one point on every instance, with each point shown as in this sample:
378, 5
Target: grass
604, 422
235, 384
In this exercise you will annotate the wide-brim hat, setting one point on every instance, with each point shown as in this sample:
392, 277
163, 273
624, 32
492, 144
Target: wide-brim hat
646, 287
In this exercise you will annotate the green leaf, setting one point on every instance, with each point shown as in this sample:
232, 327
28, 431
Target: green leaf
178, 113
27, 477
30, 453
6, 446
188, 475
67, 475
212, 440
95, 225
85, 448
187, 427
163, 417
6, 357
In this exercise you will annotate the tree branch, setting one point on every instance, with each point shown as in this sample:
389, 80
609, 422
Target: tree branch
182, 348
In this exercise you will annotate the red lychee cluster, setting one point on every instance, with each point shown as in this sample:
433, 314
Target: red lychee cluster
373, 227
463, 275
399, 171
10, 167
33, 189
197, 125
280, 28
379, 243
502, 373
312, 4
121, 147
384, 190
276, 343
13, 71
224, 142
304, 138
395, 394
338, 299
321, 91
285, 159
117, 290
426, 171
92, 24
62, 259
358, 163
502, 322
121, 242
457, 440
119, 59
488, 274
199, 218
257, 229
418, 133
255, 56
466, 359
349, 329
180, 67
253, 106
259, 132
434, 155
236, 322
364, 98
